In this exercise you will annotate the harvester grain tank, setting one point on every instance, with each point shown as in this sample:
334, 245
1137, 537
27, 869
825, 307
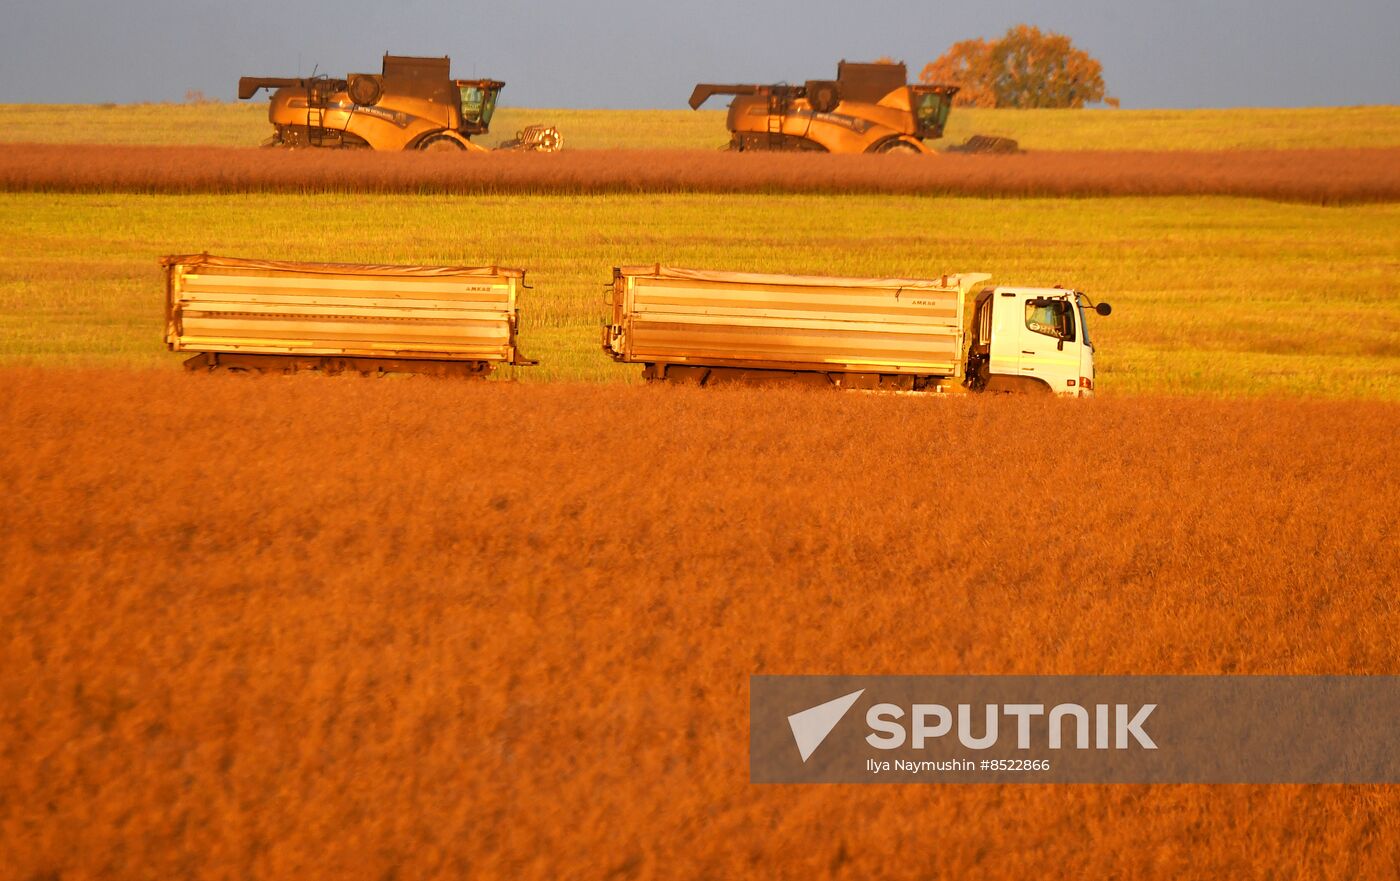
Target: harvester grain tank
264, 315
949, 334
412, 104
868, 108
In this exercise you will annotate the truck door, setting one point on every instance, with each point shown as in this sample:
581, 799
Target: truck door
1002, 321
1049, 347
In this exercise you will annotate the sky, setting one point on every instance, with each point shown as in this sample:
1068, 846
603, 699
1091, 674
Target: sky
640, 54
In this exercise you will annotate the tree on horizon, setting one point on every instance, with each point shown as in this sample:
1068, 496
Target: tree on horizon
1026, 67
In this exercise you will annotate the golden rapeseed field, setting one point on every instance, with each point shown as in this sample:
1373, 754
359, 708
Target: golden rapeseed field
311, 627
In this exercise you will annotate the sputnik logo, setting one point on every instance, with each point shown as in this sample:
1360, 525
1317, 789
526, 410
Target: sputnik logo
811, 726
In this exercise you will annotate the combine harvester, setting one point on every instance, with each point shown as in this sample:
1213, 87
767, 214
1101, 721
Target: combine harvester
900, 334
413, 104
868, 108
262, 315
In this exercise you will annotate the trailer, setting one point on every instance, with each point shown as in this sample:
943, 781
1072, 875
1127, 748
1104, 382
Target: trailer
266, 315
950, 334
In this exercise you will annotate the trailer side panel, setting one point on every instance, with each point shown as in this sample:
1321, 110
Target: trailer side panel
911, 326
224, 305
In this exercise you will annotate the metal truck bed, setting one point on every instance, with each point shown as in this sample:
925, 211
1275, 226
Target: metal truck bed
400, 314
666, 315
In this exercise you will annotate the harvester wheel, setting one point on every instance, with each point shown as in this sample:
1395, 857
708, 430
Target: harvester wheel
441, 144
894, 145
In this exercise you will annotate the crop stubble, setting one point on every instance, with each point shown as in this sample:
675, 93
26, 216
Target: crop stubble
353, 629
1325, 176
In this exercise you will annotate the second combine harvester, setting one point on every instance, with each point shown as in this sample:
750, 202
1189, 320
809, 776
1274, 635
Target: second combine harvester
868, 108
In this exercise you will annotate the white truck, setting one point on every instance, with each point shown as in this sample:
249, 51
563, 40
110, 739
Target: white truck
950, 334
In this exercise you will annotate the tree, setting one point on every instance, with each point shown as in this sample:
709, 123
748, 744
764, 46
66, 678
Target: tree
1025, 68
965, 65
1035, 69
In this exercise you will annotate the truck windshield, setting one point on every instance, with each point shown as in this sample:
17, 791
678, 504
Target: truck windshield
477, 105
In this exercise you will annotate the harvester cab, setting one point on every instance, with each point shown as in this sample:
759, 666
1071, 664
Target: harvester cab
868, 108
478, 103
411, 104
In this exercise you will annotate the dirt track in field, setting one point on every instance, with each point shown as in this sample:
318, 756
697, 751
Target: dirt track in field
1320, 176
343, 628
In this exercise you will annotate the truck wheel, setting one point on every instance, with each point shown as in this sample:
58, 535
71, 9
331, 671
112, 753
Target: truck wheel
999, 383
441, 144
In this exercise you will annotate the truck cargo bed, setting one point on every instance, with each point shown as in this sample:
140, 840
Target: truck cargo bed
666, 315
395, 314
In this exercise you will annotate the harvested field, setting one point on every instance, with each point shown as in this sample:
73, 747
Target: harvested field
1318, 176
351, 629
1211, 295
245, 124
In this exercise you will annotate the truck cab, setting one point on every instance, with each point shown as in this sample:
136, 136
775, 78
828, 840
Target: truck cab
1031, 339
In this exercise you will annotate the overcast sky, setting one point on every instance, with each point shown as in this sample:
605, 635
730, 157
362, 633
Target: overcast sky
649, 53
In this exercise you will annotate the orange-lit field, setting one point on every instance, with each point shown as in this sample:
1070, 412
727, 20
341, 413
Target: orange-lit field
1329, 176
337, 628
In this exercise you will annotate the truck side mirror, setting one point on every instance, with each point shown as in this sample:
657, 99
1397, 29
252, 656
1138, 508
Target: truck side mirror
1103, 309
